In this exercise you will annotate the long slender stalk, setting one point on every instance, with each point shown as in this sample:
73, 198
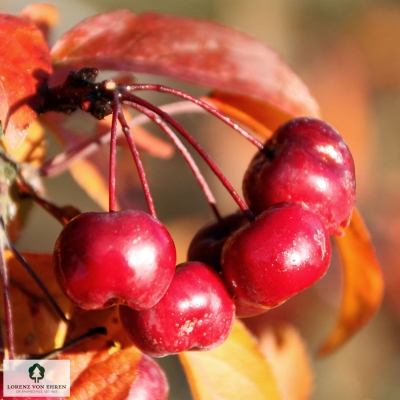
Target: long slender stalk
61, 161
138, 162
90, 333
37, 280
130, 99
200, 103
186, 155
113, 154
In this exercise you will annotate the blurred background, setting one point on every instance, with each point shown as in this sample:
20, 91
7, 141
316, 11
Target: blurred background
348, 53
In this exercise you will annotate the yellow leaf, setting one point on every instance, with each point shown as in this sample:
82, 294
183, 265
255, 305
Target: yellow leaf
45, 16
287, 354
90, 173
363, 283
33, 149
236, 370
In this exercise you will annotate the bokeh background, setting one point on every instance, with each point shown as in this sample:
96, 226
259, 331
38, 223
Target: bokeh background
348, 53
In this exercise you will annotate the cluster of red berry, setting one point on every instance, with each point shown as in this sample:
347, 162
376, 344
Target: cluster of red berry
300, 186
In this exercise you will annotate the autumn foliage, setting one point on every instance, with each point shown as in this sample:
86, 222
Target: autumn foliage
249, 83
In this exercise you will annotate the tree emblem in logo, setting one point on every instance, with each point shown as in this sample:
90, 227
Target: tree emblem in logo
36, 372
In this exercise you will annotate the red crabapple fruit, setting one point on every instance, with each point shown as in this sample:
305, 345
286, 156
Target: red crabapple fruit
196, 313
206, 245
282, 252
306, 161
106, 258
245, 310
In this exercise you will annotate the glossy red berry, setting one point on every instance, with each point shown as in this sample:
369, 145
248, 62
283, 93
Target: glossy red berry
126, 257
196, 313
306, 161
206, 245
282, 252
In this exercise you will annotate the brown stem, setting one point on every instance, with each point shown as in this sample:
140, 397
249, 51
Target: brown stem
6, 295
37, 280
90, 333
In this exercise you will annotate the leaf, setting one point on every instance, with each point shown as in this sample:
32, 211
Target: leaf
110, 367
287, 354
245, 115
88, 160
263, 117
121, 375
43, 15
203, 52
21, 89
363, 283
91, 174
33, 149
37, 329
234, 370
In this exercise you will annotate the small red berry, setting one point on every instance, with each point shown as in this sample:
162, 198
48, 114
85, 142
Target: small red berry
306, 161
126, 257
206, 245
196, 313
282, 252
246, 310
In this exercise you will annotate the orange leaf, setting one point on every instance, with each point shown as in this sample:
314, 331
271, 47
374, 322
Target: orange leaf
21, 88
109, 367
236, 370
263, 116
287, 354
124, 374
37, 329
241, 114
363, 283
43, 15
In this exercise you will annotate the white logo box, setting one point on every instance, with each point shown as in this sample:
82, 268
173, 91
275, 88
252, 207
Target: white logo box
36, 378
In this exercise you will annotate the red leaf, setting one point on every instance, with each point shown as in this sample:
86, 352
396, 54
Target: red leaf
20, 88
193, 50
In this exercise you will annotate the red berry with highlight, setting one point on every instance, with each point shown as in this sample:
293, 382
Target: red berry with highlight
308, 162
126, 257
196, 313
283, 251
